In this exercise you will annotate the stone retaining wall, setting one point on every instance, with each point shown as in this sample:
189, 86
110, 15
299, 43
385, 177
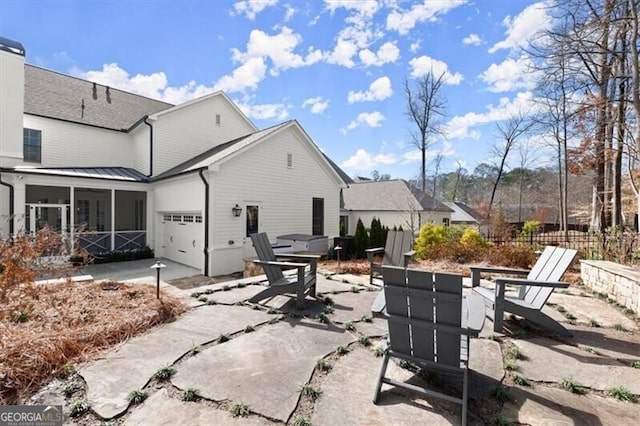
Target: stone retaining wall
619, 282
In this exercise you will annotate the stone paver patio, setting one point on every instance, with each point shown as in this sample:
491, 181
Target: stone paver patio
272, 352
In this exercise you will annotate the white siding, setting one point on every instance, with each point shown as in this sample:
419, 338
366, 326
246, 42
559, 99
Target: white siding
72, 145
186, 132
396, 218
140, 141
11, 107
260, 176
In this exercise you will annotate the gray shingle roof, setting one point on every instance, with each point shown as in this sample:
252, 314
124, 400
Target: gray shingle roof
54, 95
389, 195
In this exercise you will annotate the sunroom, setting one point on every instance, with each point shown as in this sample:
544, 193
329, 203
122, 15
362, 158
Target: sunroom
100, 212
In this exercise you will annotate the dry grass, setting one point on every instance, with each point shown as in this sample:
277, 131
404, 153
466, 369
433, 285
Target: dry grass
68, 323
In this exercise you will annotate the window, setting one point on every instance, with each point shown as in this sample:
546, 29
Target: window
317, 221
138, 214
198, 219
32, 145
166, 218
344, 225
445, 221
188, 218
289, 160
217, 119
252, 220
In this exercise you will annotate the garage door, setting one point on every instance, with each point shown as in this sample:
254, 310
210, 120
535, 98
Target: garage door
182, 238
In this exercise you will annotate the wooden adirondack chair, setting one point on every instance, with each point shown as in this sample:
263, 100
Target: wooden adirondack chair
302, 283
534, 291
426, 327
397, 252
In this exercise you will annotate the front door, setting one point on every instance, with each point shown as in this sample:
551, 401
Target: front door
251, 226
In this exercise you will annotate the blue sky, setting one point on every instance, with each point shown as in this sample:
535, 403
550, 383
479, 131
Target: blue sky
337, 67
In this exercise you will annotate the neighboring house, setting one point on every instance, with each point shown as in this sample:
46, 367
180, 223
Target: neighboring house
191, 181
394, 202
547, 215
463, 214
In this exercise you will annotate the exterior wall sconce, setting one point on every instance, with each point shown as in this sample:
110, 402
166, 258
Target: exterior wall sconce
237, 211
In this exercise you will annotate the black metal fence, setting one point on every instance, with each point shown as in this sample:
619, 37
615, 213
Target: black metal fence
622, 247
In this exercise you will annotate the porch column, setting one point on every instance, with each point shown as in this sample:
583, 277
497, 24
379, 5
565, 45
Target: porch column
113, 219
19, 206
72, 213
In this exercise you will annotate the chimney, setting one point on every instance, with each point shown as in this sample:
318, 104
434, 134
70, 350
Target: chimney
11, 101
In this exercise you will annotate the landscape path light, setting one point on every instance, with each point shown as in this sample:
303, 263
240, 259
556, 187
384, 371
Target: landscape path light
158, 266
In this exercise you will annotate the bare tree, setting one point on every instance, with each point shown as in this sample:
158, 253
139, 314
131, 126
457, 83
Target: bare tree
426, 106
459, 172
436, 161
509, 131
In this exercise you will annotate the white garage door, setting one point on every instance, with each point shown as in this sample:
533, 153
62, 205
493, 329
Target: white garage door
182, 238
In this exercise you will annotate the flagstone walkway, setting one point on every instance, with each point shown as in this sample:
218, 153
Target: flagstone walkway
262, 358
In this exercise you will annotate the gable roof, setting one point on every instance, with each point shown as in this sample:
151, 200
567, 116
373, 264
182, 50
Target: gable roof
218, 152
389, 195
463, 213
222, 151
62, 97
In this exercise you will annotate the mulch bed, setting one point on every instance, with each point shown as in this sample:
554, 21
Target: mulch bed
49, 328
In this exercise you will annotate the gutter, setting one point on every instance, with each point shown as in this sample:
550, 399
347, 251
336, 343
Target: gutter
150, 145
11, 203
206, 222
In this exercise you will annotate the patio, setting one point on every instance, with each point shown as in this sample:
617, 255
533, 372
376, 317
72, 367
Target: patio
272, 352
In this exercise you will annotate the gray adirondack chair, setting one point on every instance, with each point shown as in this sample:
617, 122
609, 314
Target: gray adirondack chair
396, 252
426, 327
302, 283
534, 290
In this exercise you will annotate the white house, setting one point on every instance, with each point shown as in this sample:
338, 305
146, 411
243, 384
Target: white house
463, 214
394, 202
115, 170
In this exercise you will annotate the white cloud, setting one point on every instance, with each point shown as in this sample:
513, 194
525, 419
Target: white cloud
404, 20
387, 53
415, 46
472, 39
342, 54
289, 12
532, 19
364, 7
363, 161
263, 111
371, 119
153, 85
318, 105
251, 8
378, 90
510, 74
424, 64
278, 48
246, 76
462, 126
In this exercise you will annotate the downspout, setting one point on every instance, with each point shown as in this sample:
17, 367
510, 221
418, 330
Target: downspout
206, 222
11, 202
150, 145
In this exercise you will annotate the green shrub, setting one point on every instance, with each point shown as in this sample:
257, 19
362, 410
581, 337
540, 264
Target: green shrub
376, 234
361, 240
471, 237
122, 255
430, 236
530, 228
